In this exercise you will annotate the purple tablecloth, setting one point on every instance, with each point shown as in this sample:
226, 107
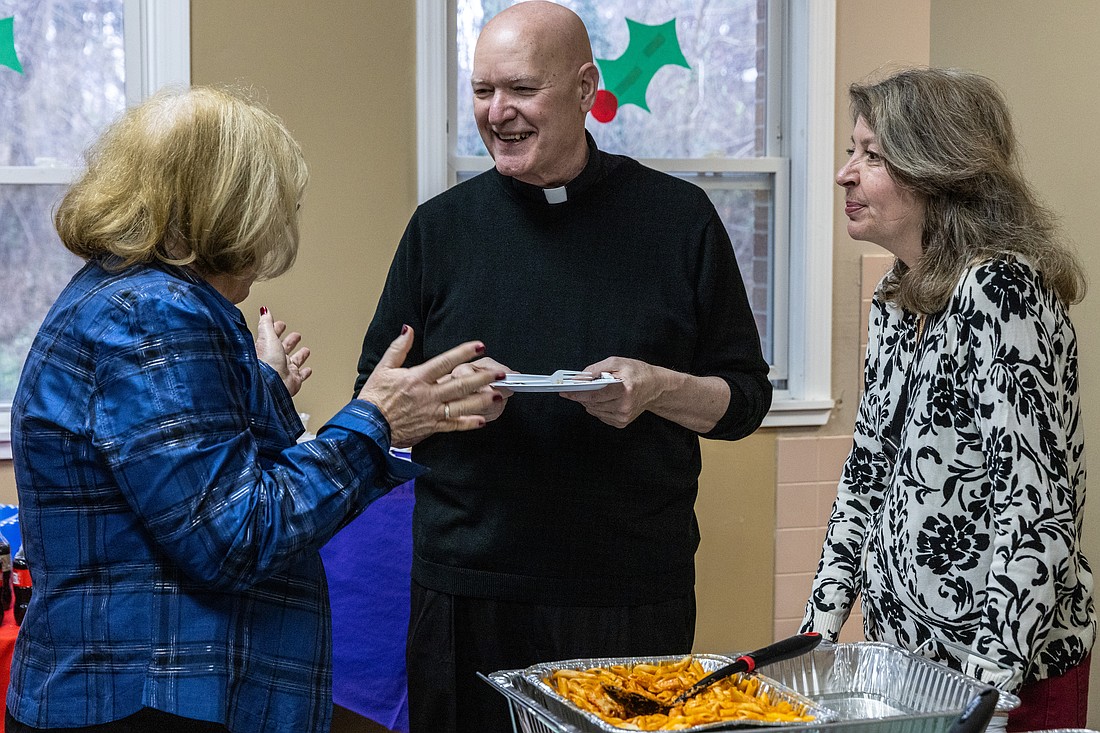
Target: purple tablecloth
368, 564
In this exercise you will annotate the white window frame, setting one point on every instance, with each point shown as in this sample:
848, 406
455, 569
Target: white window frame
803, 187
158, 55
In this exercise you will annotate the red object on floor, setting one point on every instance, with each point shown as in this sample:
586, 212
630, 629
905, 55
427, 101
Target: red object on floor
8, 631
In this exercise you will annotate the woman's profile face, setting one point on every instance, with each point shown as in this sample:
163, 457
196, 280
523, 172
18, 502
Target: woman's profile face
879, 210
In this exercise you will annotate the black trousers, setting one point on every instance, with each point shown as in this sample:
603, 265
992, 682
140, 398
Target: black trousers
451, 638
146, 720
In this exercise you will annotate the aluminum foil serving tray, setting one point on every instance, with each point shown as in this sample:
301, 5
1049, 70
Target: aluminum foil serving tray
881, 687
860, 687
530, 683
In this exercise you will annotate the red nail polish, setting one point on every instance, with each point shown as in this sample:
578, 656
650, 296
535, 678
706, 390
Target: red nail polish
404, 330
497, 397
480, 348
500, 376
263, 310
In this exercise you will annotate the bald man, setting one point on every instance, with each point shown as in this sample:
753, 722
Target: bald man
565, 528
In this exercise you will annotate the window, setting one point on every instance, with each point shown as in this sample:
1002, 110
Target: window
67, 69
743, 108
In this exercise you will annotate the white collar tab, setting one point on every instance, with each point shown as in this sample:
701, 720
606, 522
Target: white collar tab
556, 195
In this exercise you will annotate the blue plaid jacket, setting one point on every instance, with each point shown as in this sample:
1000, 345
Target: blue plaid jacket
171, 522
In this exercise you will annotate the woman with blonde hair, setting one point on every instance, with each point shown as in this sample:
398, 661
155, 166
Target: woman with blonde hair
958, 514
170, 519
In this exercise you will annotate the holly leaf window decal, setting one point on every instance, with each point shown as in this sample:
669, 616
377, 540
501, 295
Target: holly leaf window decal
8, 56
627, 78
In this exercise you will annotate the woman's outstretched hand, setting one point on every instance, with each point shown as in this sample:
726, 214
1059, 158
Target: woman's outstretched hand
416, 404
278, 351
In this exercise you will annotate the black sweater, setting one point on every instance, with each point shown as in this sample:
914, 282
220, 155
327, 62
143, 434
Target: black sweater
547, 504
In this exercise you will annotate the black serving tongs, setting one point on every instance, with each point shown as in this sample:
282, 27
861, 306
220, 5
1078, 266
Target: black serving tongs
978, 712
634, 703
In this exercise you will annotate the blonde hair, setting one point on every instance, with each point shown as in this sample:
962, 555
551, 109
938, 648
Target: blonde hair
205, 177
947, 135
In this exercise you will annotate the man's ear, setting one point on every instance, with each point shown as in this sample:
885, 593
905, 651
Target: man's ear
590, 84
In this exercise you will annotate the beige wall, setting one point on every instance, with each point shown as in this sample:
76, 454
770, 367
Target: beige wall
1047, 63
7, 483
342, 76
871, 35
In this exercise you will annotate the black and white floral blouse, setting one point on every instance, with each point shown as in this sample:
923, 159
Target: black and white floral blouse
972, 536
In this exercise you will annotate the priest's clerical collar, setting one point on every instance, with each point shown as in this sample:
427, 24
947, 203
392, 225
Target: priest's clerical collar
557, 195
561, 194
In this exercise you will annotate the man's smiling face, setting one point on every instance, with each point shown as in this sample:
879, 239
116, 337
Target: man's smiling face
529, 105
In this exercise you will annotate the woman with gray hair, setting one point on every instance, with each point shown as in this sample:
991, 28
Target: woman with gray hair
170, 519
958, 513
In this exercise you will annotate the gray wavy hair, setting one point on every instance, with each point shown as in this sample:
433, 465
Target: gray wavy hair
947, 135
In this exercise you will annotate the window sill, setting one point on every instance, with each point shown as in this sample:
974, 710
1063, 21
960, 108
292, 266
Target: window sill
788, 413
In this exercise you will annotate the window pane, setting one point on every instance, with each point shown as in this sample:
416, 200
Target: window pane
73, 80
747, 214
714, 109
34, 267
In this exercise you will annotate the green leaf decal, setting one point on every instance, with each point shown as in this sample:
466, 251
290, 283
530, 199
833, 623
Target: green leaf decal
8, 57
650, 48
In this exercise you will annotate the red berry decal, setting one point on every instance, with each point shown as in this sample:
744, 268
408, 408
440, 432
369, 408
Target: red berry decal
605, 107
